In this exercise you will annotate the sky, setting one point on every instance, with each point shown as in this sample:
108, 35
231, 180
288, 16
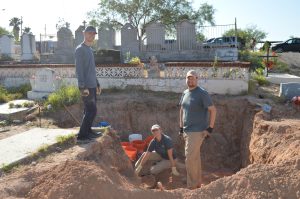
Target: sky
279, 19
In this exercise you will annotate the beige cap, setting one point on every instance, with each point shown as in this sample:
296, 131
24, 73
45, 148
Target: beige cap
191, 73
155, 126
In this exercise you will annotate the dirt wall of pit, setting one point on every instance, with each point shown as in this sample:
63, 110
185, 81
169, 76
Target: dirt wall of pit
136, 111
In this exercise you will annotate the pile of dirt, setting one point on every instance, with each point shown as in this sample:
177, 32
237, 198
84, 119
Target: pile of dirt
256, 181
275, 140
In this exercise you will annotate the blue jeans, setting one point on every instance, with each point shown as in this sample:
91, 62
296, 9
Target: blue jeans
89, 114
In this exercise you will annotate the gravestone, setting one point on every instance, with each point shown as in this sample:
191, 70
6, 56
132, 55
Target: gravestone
186, 35
79, 35
28, 47
155, 36
6, 47
43, 83
106, 37
64, 53
129, 42
289, 90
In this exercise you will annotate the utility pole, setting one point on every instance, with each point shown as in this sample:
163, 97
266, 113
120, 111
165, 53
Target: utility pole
21, 25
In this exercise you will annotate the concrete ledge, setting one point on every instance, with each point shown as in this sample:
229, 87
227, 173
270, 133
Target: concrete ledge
18, 147
277, 78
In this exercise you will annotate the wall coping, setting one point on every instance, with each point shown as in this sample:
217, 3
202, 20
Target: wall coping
167, 64
208, 64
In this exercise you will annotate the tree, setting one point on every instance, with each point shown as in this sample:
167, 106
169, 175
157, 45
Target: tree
15, 23
247, 36
3, 31
62, 24
27, 30
142, 12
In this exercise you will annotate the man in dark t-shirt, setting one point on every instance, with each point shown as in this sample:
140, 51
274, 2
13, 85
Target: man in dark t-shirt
160, 150
196, 121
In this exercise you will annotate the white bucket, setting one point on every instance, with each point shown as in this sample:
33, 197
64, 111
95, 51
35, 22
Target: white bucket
133, 137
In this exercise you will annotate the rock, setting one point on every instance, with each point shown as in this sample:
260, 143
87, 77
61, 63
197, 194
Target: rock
297, 165
289, 90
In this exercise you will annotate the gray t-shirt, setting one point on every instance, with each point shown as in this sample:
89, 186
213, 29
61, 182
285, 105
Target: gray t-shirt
195, 105
85, 67
161, 147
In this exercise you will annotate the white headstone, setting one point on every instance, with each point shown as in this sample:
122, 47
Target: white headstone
79, 35
65, 39
28, 46
7, 46
155, 36
44, 82
64, 53
106, 37
186, 35
129, 42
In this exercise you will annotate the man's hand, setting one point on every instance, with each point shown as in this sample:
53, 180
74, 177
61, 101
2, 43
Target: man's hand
98, 90
85, 92
175, 172
138, 169
180, 131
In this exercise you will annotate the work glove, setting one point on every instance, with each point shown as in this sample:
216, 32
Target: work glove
209, 129
175, 172
138, 169
84, 92
98, 90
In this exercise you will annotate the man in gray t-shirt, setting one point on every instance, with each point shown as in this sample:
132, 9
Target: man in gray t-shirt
87, 82
197, 119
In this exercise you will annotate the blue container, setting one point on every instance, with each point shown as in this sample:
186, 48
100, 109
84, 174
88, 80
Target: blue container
103, 124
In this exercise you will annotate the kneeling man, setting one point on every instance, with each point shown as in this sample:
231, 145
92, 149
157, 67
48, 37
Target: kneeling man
160, 150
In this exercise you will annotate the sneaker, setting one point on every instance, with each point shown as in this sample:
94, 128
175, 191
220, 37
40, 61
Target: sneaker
92, 136
95, 135
83, 139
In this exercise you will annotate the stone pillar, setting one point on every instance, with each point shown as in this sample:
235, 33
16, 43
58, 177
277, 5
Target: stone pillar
7, 46
79, 35
186, 35
28, 47
155, 36
106, 37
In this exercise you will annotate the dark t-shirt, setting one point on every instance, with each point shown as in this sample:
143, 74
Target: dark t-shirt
195, 105
161, 147
85, 67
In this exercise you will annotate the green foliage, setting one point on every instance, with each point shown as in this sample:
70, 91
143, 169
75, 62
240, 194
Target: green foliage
252, 57
280, 67
15, 23
44, 148
8, 167
259, 77
7, 95
3, 31
200, 37
66, 139
66, 95
27, 30
245, 36
135, 60
6, 57
22, 89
